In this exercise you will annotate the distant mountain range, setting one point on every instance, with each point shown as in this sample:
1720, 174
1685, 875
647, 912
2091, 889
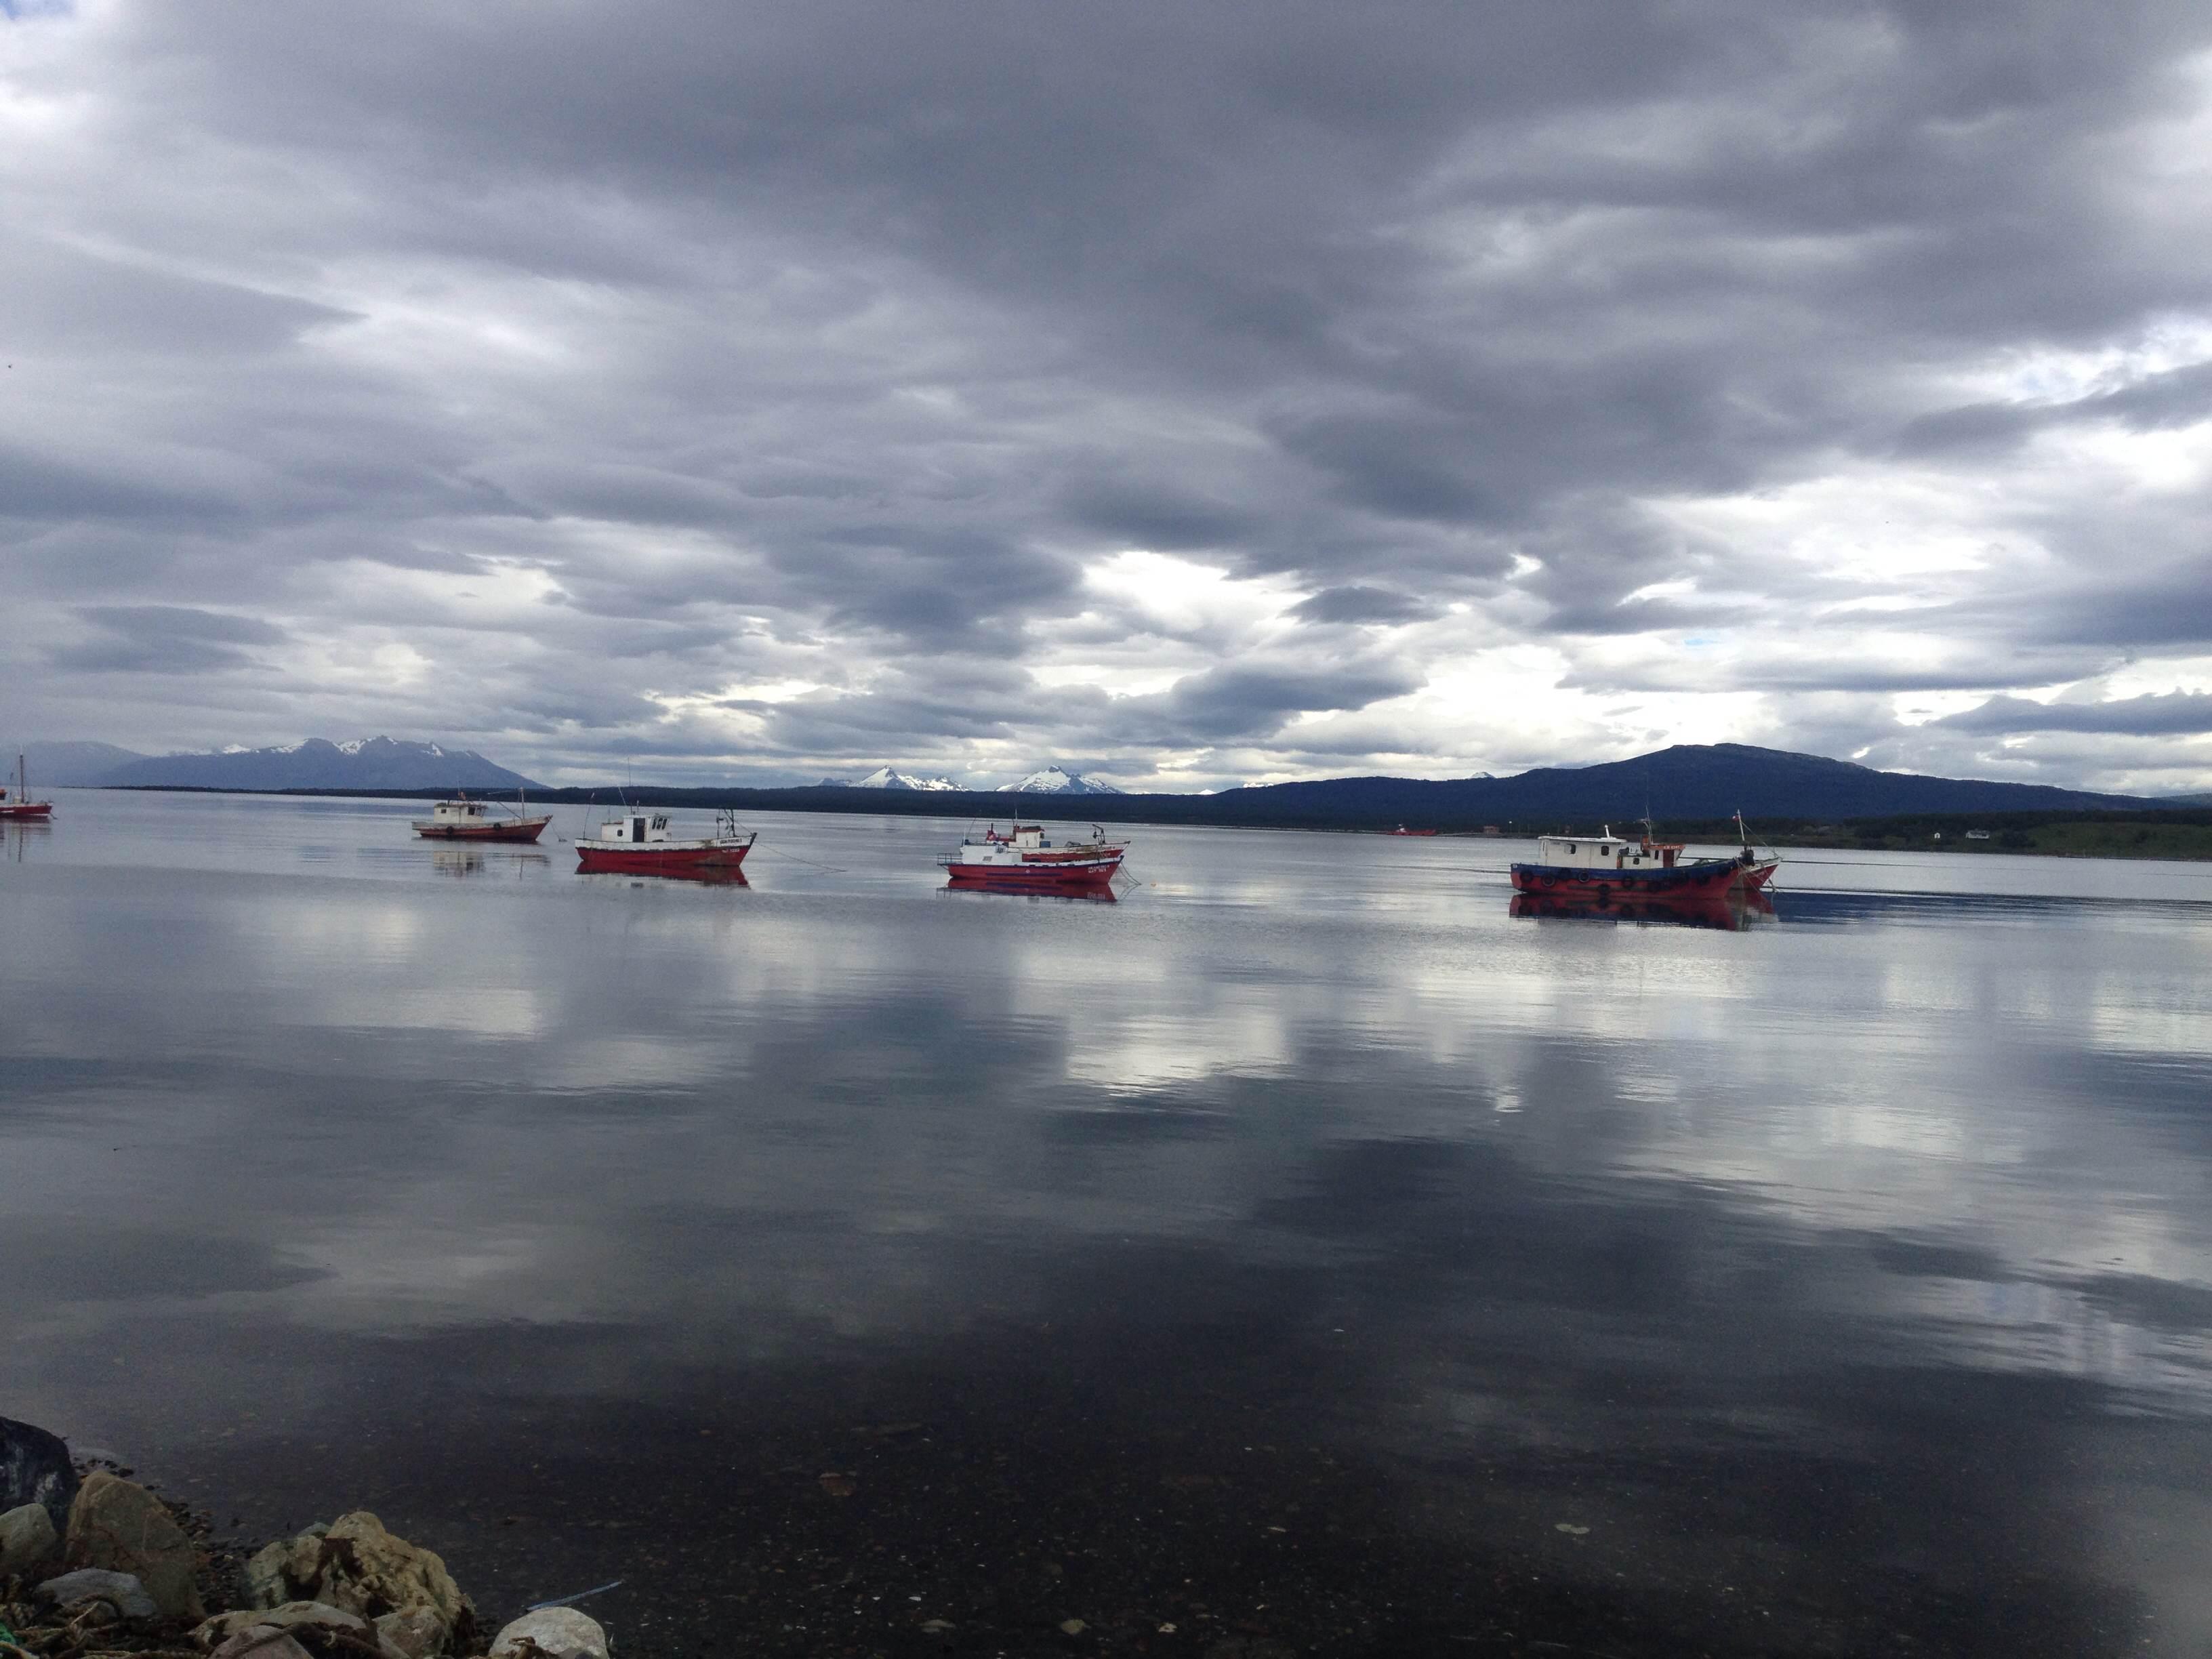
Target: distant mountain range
885, 777
316, 763
1052, 781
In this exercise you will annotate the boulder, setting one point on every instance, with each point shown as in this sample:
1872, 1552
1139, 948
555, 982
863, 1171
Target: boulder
355, 1563
120, 1525
559, 1633
412, 1633
34, 1468
119, 1590
290, 1616
259, 1642
27, 1539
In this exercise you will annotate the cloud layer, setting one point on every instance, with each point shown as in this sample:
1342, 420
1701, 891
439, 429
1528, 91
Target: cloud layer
1190, 396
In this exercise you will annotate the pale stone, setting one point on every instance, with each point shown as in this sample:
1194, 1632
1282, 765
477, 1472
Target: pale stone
27, 1538
257, 1642
120, 1525
355, 1563
225, 1626
411, 1632
559, 1633
121, 1590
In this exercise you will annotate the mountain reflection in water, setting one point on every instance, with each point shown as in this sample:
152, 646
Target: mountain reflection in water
1301, 1249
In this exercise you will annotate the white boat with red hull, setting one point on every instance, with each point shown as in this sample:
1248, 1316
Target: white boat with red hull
463, 819
1025, 860
639, 843
19, 806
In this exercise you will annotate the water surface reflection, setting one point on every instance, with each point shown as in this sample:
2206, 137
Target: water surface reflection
1299, 1243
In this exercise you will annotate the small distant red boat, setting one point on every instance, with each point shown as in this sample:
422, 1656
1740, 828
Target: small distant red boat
463, 819
20, 805
1402, 830
1603, 865
640, 844
1024, 861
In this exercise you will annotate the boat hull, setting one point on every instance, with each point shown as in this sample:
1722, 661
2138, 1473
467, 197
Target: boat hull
1042, 876
24, 810
693, 859
522, 829
1755, 876
1728, 912
1707, 878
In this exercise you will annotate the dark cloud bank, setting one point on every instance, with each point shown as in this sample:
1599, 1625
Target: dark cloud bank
1209, 394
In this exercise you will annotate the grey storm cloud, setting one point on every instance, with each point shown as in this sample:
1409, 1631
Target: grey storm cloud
2175, 712
763, 388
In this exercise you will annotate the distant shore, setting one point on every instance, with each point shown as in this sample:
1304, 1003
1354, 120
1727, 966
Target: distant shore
2180, 834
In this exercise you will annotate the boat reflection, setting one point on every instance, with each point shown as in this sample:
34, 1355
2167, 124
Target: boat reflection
449, 860
698, 876
1731, 913
1100, 894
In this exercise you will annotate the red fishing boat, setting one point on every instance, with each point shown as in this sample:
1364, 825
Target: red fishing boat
1023, 860
1603, 865
20, 805
463, 819
638, 843
1402, 830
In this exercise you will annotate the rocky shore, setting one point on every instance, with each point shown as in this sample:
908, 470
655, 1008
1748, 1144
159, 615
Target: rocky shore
94, 1567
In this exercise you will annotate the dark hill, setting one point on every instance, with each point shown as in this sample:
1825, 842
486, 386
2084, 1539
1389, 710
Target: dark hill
1688, 783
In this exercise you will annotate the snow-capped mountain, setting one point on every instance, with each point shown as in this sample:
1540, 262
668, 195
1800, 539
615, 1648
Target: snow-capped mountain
885, 777
318, 763
1053, 780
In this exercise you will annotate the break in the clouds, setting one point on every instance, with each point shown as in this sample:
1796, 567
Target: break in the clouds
1192, 394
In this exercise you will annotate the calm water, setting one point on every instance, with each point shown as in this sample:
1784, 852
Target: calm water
1302, 1248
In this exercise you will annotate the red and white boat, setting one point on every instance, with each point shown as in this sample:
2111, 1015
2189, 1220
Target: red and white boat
1603, 865
638, 843
463, 819
20, 805
1402, 830
1025, 861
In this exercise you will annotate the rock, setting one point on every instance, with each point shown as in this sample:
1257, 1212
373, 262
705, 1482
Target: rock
27, 1538
259, 1642
412, 1633
34, 1468
355, 1563
224, 1625
120, 1525
120, 1590
559, 1633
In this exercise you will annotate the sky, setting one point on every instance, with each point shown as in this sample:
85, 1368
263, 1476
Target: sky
1188, 395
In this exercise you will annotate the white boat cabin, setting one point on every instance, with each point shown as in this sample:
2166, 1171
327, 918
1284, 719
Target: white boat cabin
1605, 852
636, 828
458, 813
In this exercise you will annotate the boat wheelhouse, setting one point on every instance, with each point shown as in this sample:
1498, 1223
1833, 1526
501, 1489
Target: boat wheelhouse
1026, 859
640, 842
463, 819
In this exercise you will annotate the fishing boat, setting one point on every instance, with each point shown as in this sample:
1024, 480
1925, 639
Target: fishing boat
20, 805
1602, 866
463, 819
1402, 830
639, 843
1755, 866
1023, 860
